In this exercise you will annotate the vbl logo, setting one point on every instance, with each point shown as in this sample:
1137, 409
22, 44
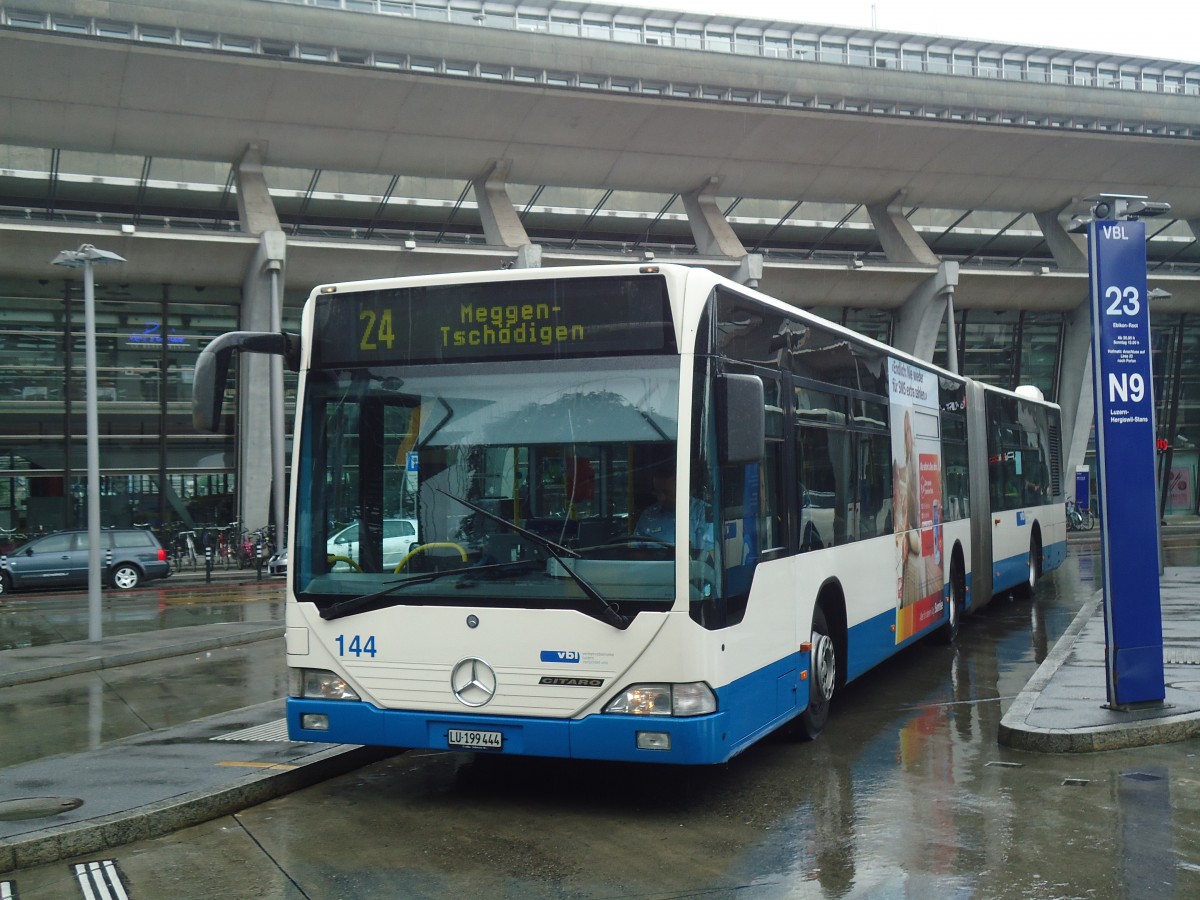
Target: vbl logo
560, 656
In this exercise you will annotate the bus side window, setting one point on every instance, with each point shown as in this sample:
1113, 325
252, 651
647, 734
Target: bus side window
874, 485
770, 523
773, 498
824, 470
1034, 481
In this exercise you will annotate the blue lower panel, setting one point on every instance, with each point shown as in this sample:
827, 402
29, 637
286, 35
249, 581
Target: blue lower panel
873, 641
747, 709
1053, 556
1015, 570
1010, 572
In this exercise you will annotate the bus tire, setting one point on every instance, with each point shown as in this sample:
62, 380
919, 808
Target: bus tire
948, 633
823, 678
1035, 566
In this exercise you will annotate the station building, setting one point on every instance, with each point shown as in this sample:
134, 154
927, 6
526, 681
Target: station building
237, 153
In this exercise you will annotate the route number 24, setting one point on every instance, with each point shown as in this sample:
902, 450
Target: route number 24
1124, 301
378, 330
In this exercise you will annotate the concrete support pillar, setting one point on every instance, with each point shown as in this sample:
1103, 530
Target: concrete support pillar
529, 257
256, 211
1069, 250
749, 271
261, 480
900, 241
715, 237
501, 225
710, 229
1075, 386
1075, 364
924, 312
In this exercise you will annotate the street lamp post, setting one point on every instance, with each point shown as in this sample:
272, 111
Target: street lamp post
87, 257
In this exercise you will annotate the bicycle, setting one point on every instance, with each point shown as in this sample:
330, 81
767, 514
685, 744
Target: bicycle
1079, 518
249, 548
227, 543
184, 547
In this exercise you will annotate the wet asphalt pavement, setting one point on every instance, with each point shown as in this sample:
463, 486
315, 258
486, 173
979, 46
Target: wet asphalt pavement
908, 793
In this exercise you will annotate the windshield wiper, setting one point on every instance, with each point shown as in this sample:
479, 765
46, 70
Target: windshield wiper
356, 604
605, 611
555, 549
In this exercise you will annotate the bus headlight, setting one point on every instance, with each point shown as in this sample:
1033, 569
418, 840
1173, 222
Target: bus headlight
318, 684
692, 699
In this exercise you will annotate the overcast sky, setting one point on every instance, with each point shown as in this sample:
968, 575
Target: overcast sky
1167, 29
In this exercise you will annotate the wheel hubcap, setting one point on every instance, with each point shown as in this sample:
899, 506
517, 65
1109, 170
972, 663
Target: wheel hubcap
824, 665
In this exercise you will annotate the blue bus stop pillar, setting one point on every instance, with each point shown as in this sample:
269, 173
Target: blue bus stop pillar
1125, 474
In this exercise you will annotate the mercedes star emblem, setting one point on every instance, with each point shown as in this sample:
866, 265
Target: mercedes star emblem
473, 682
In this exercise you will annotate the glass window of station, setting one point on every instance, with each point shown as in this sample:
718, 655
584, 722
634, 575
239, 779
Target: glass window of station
156, 470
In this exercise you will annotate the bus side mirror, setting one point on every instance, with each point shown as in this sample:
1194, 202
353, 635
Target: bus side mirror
742, 417
212, 369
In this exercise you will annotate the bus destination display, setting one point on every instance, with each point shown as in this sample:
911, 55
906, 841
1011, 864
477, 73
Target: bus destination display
507, 320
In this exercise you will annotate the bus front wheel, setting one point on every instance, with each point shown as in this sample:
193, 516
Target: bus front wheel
823, 678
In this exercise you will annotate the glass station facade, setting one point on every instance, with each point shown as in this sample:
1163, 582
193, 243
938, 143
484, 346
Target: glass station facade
155, 468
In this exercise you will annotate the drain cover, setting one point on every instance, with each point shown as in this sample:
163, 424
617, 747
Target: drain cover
1181, 656
36, 807
271, 731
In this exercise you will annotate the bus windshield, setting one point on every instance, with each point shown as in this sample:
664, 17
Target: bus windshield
504, 483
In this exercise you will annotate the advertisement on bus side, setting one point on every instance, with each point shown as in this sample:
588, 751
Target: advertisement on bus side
916, 497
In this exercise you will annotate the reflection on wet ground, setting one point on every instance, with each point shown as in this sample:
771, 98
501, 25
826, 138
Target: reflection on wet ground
37, 619
906, 794
81, 712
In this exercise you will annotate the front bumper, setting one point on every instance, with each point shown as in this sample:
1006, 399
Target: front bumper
695, 740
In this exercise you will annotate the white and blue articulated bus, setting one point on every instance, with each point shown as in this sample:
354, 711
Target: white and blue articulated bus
633, 512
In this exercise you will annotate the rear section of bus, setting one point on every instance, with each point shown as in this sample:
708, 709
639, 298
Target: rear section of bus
1019, 481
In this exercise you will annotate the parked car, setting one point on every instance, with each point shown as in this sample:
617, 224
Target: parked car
399, 537
129, 556
277, 564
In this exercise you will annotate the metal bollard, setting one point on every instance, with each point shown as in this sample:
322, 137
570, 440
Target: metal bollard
208, 564
258, 559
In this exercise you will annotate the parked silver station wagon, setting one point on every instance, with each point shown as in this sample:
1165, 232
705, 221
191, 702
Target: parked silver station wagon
61, 560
